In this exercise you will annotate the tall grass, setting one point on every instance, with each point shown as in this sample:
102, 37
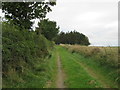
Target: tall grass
104, 56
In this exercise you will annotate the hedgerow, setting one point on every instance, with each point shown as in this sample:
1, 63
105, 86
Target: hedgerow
22, 50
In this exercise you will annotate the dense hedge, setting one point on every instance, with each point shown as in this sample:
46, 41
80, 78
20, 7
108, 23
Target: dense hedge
24, 47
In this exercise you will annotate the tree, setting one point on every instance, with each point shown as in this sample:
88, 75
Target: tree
72, 37
48, 28
21, 13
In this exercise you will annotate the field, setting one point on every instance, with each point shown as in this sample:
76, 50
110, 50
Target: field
79, 71
103, 55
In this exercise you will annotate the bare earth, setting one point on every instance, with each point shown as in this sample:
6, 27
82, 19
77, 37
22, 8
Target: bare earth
60, 75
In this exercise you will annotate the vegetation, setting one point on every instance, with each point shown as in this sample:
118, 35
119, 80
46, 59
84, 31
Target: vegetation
48, 28
24, 55
30, 59
72, 37
76, 76
21, 13
52, 70
106, 57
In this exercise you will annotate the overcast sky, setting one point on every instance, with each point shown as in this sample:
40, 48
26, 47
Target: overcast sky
97, 19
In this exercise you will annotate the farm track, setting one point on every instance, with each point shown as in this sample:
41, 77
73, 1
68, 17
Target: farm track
60, 75
92, 73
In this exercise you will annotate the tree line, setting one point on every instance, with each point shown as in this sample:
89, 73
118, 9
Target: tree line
72, 37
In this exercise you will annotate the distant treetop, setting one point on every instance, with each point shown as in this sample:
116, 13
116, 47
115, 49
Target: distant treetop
72, 37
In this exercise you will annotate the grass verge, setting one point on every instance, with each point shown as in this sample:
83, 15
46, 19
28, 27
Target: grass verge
52, 70
76, 76
42, 76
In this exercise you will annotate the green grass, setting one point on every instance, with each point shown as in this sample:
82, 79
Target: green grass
38, 77
107, 73
75, 64
103, 59
52, 70
103, 55
76, 76
28, 79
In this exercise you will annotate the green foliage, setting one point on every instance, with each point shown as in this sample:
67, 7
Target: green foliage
21, 13
72, 37
48, 28
22, 52
52, 69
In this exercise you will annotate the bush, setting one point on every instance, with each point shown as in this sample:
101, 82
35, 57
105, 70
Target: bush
22, 49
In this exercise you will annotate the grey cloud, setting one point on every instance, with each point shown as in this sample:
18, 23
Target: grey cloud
95, 18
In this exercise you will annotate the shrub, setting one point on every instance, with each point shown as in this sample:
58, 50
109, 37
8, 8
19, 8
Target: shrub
22, 48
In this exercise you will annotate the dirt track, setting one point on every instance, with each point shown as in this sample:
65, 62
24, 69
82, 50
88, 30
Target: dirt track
60, 75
